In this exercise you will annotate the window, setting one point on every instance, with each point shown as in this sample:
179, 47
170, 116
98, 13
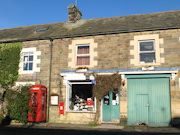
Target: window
147, 51
80, 97
41, 30
27, 61
83, 55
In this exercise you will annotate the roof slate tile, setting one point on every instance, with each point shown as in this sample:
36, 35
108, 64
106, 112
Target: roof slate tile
152, 21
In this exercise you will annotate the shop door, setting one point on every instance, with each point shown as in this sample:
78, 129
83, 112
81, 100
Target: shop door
110, 107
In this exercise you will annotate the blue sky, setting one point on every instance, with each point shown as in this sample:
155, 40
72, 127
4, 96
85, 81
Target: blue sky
15, 13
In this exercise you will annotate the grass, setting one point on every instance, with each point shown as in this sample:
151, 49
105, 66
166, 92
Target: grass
121, 123
93, 124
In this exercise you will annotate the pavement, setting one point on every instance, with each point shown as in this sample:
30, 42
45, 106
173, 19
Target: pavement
102, 127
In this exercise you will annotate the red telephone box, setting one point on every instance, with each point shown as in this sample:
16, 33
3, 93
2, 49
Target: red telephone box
38, 101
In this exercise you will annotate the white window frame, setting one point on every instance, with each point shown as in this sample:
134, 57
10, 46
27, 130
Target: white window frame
35, 61
24, 83
82, 54
28, 54
140, 52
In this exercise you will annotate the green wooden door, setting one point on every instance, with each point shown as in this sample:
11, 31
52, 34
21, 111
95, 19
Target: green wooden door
160, 109
106, 113
110, 107
148, 100
142, 108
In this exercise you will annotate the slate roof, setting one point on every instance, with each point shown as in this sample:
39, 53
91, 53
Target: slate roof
131, 23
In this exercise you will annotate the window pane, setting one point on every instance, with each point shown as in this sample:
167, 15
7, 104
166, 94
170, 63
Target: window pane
31, 58
83, 50
147, 57
28, 61
25, 58
147, 46
25, 66
115, 97
83, 60
106, 100
30, 66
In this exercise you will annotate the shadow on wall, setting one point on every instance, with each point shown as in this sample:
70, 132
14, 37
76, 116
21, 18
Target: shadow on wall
175, 122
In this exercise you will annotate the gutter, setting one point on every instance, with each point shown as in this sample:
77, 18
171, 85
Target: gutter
51, 45
90, 34
125, 73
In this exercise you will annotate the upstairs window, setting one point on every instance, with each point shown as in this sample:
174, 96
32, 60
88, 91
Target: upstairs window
147, 51
27, 61
83, 55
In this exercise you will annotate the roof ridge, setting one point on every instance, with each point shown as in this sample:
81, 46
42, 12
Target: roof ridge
96, 26
162, 12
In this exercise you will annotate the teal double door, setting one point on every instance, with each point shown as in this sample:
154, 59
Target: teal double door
111, 106
148, 100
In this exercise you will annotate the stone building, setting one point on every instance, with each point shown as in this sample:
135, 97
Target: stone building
144, 49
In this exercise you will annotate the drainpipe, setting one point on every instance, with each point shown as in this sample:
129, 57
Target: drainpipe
51, 40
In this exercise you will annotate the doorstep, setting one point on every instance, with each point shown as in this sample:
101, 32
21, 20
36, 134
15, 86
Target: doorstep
109, 126
110, 122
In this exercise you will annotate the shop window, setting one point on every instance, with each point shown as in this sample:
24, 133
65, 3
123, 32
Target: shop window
80, 98
83, 55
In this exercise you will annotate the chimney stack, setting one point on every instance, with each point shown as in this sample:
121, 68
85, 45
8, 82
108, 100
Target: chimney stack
74, 13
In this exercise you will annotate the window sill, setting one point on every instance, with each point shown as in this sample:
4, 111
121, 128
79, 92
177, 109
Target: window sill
27, 72
147, 64
81, 111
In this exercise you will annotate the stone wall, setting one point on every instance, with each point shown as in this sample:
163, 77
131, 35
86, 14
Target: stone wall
43, 75
175, 97
123, 103
113, 53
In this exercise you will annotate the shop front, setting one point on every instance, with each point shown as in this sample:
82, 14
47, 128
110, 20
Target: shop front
144, 98
80, 100
79, 103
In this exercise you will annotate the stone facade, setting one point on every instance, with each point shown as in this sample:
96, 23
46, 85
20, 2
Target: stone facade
113, 52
